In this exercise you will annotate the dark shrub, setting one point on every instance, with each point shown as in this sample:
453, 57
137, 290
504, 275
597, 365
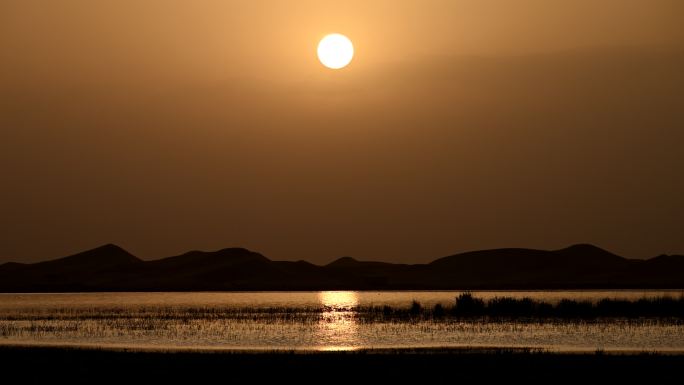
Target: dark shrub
467, 305
438, 311
416, 308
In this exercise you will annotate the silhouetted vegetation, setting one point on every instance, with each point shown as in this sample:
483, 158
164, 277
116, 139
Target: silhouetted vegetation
228, 325
468, 306
416, 308
465, 305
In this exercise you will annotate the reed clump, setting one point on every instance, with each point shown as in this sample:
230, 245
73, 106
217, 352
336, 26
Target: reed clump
466, 305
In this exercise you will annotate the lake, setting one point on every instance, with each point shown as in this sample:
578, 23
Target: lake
314, 321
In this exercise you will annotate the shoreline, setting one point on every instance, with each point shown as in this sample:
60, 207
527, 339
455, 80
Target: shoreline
349, 350
417, 366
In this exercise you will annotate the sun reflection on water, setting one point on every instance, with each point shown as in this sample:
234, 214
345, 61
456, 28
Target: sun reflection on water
338, 328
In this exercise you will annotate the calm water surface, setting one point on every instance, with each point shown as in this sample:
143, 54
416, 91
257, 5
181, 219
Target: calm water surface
320, 321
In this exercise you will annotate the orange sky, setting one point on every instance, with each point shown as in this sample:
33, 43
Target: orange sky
165, 126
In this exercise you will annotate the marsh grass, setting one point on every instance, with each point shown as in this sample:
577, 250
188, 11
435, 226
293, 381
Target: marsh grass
466, 321
468, 307
465, 307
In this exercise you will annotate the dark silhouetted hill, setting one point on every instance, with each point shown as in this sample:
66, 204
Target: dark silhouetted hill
110, 268
575, 266
102, 268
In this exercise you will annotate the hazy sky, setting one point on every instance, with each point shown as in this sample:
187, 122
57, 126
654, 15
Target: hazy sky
165, 126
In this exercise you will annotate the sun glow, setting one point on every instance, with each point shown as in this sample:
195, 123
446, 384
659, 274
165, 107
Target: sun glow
335, 51
338, 327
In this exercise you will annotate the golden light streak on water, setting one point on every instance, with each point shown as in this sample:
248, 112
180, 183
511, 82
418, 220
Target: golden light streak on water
338, 328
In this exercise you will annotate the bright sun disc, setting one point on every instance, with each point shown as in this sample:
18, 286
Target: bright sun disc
335, 51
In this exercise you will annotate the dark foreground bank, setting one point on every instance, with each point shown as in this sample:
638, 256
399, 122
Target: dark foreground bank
420, 366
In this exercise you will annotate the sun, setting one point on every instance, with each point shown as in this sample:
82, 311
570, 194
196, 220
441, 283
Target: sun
335, 51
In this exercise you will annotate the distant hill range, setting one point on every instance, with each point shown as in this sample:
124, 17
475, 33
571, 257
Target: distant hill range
111, 268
